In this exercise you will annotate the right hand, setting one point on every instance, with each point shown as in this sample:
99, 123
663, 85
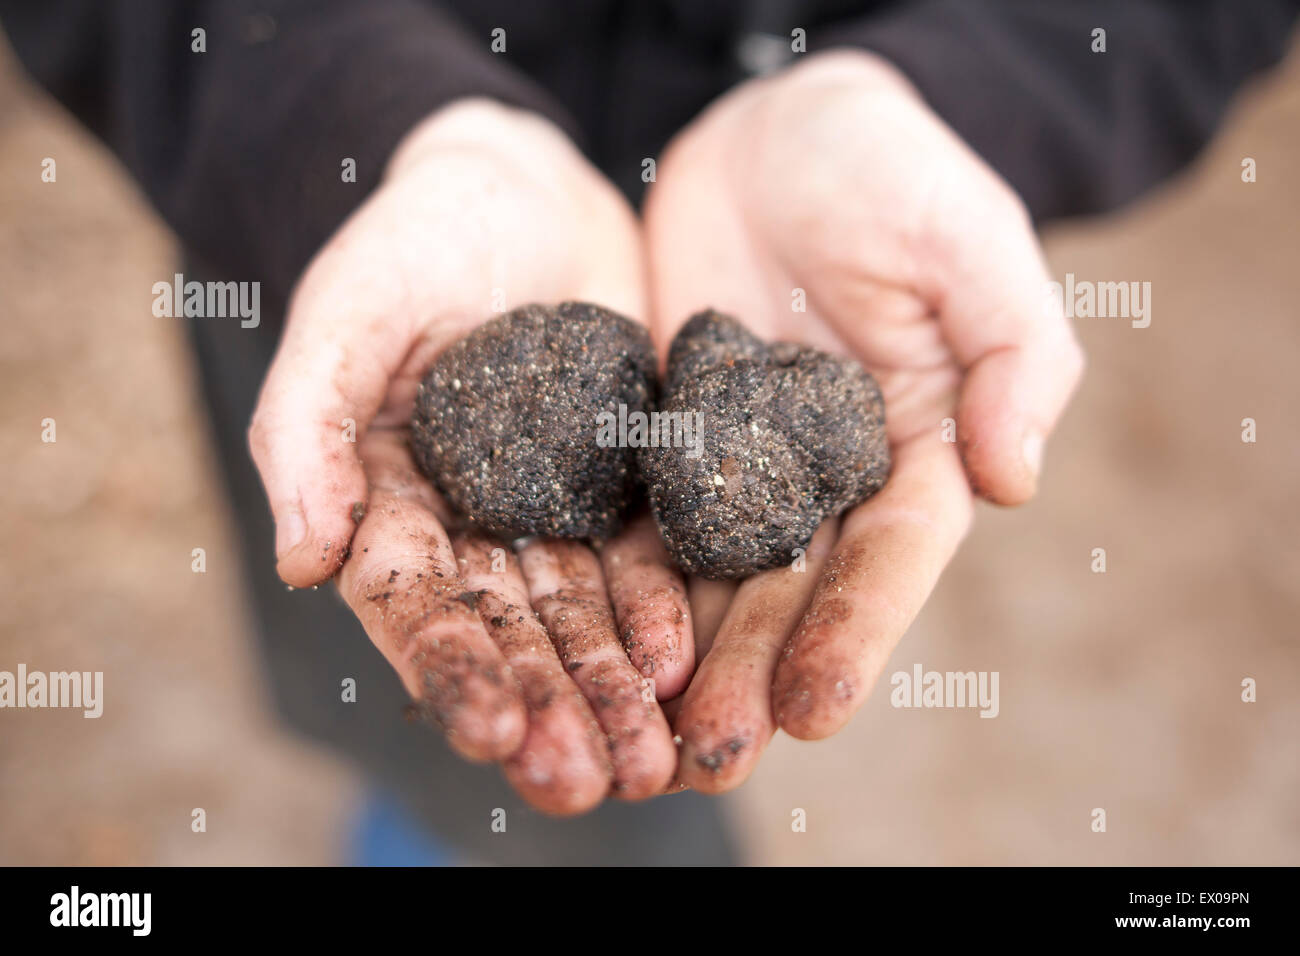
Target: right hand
477, 198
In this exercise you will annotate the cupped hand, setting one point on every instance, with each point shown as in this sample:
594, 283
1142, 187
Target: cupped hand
517, 657
831, 186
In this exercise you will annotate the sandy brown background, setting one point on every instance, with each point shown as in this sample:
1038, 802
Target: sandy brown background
1119, 690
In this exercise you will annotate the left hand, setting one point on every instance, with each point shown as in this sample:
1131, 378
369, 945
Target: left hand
835, 178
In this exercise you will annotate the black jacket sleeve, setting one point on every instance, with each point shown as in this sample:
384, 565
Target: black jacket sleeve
1072, 130
241, 147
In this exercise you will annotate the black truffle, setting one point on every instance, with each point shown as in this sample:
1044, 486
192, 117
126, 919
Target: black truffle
505, 420
791, 436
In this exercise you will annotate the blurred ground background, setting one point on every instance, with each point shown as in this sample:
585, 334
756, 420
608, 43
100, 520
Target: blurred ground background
1119, 690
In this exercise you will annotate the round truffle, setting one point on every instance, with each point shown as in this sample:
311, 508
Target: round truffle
505, 421
790, 437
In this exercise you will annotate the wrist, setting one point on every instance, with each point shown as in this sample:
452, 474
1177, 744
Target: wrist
841, 67
478, 124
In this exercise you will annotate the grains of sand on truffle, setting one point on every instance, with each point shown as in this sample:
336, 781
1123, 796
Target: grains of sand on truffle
791, 437
505, 420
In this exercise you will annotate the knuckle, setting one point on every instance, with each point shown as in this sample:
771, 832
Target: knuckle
257, 436
1008, 203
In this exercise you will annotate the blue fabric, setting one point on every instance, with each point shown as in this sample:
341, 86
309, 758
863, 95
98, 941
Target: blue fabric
384, 834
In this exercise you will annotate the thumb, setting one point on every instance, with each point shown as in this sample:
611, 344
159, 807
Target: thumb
1021, 358
329, 378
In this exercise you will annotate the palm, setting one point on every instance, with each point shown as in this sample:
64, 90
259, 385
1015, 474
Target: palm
729, 713
846, 310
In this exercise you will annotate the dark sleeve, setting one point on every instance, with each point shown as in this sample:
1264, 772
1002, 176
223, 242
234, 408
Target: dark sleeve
1072, 130
241, 147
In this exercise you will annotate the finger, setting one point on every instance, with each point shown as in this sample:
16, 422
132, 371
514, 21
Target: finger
327, 381
568, 593
726, 718
890, 554
402, 583
709, 602
563, 766
649, 597
1010, 402
1020, 354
